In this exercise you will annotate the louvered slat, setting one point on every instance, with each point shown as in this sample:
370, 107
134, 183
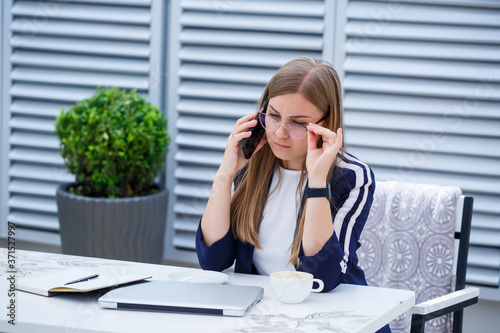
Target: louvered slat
468, 183
201, 141
34, 124
184, 241
202, 174
84, 46
246, 57
38, 108
189, 207
430, 32
299, 25
50, 93
52, 173
422, 87
85, 30
422, 49
480, 257
31, 187
487, 238
198, 157
224, 109
251, 39
189, 190
225, 74
84, 12
35, 221
33, 204
482, 276
186, 226
79, 62
438, 126
414, 12
442, 107
415, 159
206, 125
135, 3
77, 78
390, 137
435, 69
34, 140
238, 92
271, 8
36, 156
486, 221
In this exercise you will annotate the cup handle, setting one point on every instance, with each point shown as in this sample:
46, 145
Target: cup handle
320, 287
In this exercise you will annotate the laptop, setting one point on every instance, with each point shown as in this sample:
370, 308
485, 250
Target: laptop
184, 297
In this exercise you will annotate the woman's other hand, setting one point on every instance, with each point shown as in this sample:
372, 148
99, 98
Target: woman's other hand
320, 160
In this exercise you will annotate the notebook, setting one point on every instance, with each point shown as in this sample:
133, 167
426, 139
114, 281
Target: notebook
184, 297
75, 281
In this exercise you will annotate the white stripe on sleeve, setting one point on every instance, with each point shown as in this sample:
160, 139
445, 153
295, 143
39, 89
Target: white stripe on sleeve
351, 201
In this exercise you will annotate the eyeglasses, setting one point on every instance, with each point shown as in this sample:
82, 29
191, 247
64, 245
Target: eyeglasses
294, 130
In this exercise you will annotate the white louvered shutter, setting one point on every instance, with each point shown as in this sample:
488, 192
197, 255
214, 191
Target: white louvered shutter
422, 104
60, 52
223, 53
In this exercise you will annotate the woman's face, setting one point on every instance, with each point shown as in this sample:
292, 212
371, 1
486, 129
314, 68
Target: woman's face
291, 108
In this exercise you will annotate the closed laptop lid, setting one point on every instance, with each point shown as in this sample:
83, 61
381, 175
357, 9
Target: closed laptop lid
186, 297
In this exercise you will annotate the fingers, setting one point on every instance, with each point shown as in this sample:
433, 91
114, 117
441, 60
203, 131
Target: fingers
239, 136
241, 129
311, 140
340, 139
246, 118
329, 137
323, 131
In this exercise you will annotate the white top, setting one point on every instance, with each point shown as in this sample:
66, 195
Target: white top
278, 223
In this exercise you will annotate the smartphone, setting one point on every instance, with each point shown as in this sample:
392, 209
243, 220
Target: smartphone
248, 145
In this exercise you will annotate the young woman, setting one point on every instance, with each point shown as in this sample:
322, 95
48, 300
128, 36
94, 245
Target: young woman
301, 201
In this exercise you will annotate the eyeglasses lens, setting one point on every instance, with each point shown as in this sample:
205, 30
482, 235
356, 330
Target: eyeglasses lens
271, 124
262, 119
296, 131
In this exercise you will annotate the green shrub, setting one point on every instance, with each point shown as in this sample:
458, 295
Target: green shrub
114, 142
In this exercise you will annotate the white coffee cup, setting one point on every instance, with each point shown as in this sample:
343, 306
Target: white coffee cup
293, 287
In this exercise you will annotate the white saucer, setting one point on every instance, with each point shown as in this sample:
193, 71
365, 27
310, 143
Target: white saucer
199, 276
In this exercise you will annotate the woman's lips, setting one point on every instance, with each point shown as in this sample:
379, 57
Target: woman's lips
280, 146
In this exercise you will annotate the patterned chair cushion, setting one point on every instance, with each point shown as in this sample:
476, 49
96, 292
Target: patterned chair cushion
408, 243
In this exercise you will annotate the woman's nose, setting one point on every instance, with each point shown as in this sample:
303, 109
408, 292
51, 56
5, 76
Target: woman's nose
281, 131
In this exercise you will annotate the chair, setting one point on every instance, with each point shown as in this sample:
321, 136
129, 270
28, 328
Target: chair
417, 238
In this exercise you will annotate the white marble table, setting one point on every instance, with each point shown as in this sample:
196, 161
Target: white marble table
348, 308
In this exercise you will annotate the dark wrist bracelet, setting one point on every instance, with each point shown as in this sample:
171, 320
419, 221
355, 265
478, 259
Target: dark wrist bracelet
324, 192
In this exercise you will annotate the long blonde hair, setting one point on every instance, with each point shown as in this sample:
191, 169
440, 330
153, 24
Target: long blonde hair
319, 83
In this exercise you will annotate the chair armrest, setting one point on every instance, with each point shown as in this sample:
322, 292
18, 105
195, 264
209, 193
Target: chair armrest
454, 301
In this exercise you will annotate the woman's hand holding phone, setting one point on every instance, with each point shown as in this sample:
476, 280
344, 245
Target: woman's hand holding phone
234, 158
215, 221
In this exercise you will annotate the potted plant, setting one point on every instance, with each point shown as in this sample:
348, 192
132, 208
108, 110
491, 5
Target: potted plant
115, 144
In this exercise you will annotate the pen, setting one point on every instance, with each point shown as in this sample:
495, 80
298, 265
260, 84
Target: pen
90, 277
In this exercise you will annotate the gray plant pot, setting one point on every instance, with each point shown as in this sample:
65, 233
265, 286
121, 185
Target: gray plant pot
126, 228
